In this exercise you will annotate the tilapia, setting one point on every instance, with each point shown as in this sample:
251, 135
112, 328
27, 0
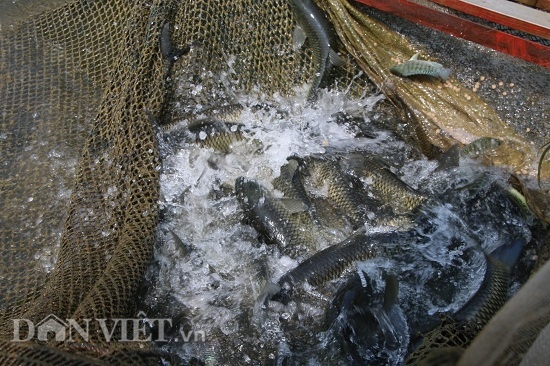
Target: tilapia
223, 137
420, 67
459, 330
331, 262
313, 25
481, 146
343, 191
274, 218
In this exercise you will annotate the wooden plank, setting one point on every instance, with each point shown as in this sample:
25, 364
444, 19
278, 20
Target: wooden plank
512, 15
492, 38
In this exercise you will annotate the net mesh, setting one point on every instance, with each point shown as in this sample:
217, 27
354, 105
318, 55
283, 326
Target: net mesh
82, 89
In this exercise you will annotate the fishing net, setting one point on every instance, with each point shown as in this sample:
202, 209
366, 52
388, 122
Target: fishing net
84, 88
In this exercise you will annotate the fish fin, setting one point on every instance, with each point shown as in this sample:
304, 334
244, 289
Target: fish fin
270, 289
298, 38
180, 244
289, 168
444, 73
293, 205
449, 159
335, 59
509, 253
415, 56
391, 292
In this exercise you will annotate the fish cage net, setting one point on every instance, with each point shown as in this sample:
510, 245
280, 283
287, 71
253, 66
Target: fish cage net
86, 85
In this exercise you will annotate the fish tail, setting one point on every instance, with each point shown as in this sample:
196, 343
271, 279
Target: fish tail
444, 73
509, 253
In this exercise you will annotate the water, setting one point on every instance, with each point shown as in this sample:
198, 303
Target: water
210, 267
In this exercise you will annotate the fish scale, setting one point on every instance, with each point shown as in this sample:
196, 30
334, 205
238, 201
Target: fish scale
458, 331
341, 189
331, 262
390, 189
292, 235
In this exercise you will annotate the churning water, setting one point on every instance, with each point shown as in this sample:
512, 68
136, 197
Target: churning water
211, 267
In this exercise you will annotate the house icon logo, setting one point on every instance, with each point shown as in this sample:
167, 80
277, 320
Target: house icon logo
51, 324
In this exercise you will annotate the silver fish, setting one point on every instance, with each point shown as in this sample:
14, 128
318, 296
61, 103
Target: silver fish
420, 67
313, 25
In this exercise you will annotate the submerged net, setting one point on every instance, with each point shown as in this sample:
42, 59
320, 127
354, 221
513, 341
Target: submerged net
83, 89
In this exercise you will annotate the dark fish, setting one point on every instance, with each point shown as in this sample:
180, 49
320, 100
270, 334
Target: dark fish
290, 183
494, 289
221, 136
545, 148
273, 218
368, 330
343, 190
168, 52
461, 329
331, 262
386, 185
321, 37
419, 67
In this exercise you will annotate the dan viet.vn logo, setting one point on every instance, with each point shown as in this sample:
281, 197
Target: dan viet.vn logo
110, 330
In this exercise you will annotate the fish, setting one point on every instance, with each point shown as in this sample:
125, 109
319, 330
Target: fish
481, 146
414, 66
222, 137
229, 113
168, 52
313, 25
460, 329
545, 148
290, 182
331, 262
385, 185
494, 289
274, 219
343, 191
368, 329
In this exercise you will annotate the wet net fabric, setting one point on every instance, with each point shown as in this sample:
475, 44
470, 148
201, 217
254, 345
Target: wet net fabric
83, 89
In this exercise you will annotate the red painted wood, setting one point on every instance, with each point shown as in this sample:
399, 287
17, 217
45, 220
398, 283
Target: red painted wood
492, 38
492, 16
